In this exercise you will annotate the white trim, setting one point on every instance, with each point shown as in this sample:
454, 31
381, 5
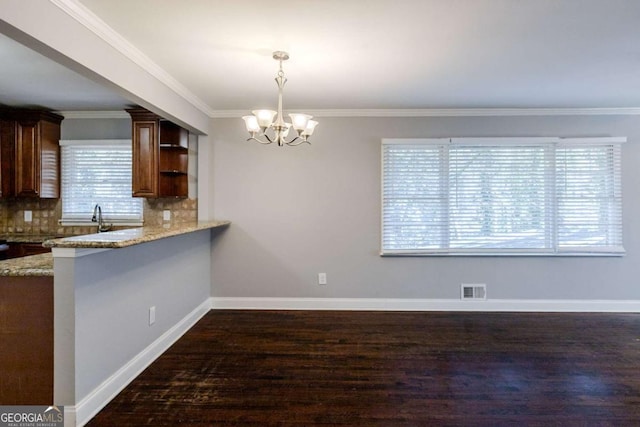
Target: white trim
117, 114
98, 398
452, 112
593, 140
509, 140
93, 23
588, 252
415, 141
420, 304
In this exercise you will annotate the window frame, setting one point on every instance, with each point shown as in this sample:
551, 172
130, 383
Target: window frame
552, 230
107, 216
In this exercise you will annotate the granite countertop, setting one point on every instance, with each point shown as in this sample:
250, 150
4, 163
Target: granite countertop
34, 265
42, 265
131, 236
26, 238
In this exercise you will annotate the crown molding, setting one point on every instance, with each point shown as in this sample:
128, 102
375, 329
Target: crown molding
93, 23
463, 112
452, 112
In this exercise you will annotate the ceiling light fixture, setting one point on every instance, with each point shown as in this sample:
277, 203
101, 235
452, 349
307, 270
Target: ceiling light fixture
264, 120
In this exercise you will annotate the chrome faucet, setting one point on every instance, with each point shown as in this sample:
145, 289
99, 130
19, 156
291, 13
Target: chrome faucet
97, 217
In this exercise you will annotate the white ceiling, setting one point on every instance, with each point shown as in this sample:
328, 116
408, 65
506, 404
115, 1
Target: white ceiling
368, 54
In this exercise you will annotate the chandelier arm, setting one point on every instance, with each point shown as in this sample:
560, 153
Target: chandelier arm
261, 142
302, 141
268, 139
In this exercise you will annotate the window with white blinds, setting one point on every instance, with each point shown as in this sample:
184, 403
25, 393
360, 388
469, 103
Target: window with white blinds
98, 172
502, 196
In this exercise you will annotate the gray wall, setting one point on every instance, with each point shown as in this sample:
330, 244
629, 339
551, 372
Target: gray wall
112, 292
96, 129
309, 209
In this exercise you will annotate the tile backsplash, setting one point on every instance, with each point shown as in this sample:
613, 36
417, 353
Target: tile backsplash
46, 215
182, 210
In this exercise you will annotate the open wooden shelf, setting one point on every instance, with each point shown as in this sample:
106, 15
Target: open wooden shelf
161, 156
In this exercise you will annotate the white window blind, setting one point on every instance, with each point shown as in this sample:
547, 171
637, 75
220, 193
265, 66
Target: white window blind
493, 196
98, 172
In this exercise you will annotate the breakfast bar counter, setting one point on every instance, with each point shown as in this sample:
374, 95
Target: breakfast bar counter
131, 236
42, 264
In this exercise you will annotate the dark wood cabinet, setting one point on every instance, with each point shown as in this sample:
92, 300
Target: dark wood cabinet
19, 250
145, 159
30, 154
160, 156
7, 158
26, 334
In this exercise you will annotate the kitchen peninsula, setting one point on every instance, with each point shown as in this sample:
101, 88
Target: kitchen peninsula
120, 299
131, 236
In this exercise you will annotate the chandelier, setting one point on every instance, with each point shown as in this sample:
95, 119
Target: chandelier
265, 122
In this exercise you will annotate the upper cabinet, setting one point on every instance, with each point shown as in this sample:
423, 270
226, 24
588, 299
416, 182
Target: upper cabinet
30, 154
160, 156
145, 152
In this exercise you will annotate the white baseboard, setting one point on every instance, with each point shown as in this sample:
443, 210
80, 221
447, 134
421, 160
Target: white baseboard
91, 404
397, 304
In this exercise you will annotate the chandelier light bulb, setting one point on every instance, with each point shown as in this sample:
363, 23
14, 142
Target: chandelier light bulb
308, 130
264, 117
299, 121
271, 126
252, 123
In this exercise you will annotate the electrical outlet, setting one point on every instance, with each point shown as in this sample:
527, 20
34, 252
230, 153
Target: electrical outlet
322, 278
152, 315
166, 215
28, 216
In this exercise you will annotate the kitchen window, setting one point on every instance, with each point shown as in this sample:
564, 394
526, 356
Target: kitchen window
98, 172
502, 196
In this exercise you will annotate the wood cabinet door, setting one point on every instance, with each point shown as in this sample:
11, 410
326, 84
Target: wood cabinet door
7, 158
145, 158
49, 160
28, 159
26, 334
30, 154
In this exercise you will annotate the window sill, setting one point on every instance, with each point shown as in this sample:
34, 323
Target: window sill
503, 254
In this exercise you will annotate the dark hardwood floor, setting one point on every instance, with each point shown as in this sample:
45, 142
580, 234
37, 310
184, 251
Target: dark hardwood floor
305, 368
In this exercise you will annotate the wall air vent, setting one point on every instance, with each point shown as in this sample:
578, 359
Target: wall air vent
476, 291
